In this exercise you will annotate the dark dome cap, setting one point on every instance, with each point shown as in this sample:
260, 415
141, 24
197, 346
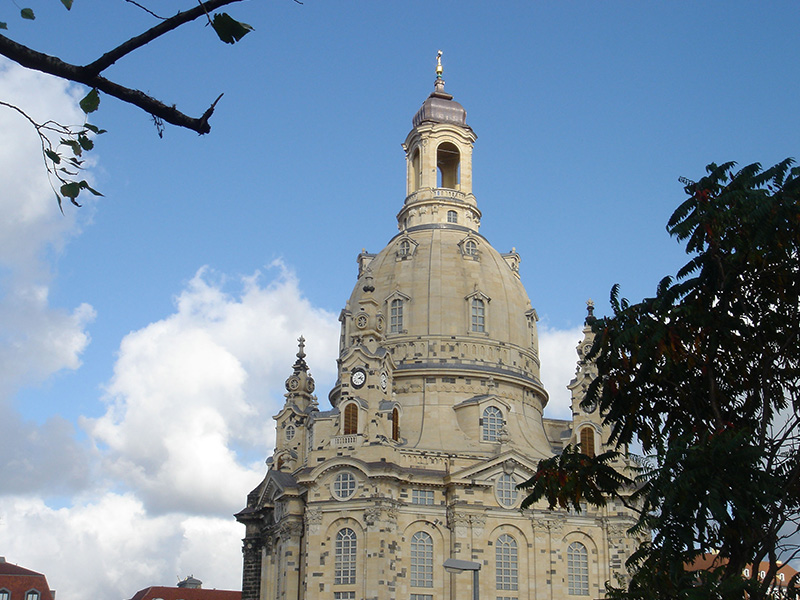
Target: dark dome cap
440, 107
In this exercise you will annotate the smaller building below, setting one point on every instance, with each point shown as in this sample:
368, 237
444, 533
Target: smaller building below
188, 589
19, 583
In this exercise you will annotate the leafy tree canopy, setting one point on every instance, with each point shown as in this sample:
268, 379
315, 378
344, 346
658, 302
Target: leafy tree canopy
706, 376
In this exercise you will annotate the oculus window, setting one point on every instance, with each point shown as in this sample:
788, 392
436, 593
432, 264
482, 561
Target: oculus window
344, 486
506, 490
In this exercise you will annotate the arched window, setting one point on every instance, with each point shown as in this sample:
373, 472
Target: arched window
506, 490
344, 569
491, 423
587, 441
395, 424
416, 171
396, 316
421, 560
470, 248
452, 216
5, 594
478, 315
577, 570
506, 563
448, 160
350, 419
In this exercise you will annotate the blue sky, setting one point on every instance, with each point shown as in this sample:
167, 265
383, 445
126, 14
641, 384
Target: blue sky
586, 115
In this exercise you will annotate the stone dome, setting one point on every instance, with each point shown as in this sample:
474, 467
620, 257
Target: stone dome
438, 270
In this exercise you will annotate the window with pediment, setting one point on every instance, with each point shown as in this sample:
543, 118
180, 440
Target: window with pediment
491, 423
470, 248
478, 315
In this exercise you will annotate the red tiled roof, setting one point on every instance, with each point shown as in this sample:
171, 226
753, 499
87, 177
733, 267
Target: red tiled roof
19, 580
176, 593
706, 562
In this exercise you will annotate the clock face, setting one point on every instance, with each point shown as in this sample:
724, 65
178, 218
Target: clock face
292, 383
358, 377
384, 381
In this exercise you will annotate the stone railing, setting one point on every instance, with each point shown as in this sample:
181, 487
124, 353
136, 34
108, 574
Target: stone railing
433, 193
341, 441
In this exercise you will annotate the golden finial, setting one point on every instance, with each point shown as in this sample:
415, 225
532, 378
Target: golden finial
439, 65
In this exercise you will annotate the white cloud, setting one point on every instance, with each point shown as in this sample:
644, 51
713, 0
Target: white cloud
36, 338
190, 401
111, 547
191, 390
32, 224
187, 423
559, 362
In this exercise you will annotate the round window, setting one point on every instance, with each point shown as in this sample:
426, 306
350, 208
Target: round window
506, 490
344, 486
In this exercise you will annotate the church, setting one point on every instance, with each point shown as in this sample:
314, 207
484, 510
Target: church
406, 487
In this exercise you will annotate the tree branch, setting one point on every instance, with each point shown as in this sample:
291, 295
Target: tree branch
52, 65
112, 56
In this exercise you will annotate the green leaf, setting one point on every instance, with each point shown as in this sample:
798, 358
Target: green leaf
67, 3
94, 128
27, 13
85, 186
74, 145
71, 190
90, 101
229, 29
53, 156
3, 25
85, 142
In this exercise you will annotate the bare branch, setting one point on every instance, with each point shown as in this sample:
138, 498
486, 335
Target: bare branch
147, 10
52, 65
112, 56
